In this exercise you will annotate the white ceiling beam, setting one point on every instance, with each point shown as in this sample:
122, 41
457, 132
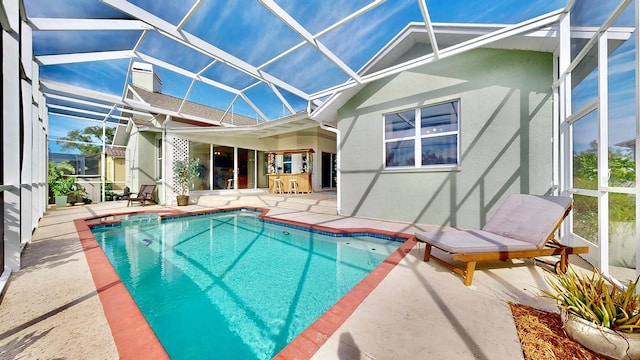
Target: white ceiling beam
275, 90
75, 117
88, 112
186, 73
254, 107
186, 96
99, 96
89, 94
189, 14
427, 23
193, 82
78, 101
282, 99
95, 104
282, 55
229, 108
60, 24
352, 16
106, 118
207, 67
44, 60
140, 39
594, 39
328, 29
202, 46
284, 16
125, 86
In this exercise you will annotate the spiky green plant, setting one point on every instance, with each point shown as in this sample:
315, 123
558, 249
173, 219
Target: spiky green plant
594, 299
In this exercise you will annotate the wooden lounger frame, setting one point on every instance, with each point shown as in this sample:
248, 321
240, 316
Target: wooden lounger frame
145, 194
552, 247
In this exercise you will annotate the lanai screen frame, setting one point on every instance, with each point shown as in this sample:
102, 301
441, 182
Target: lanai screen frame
12, 183
563, 174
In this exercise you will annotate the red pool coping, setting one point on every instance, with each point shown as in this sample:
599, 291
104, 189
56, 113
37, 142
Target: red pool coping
133, 335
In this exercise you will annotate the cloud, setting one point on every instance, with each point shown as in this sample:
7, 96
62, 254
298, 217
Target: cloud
103, 76
357, 41
244, 29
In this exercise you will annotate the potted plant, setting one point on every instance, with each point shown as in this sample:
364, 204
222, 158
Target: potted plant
597, 314
77, 194
184, 171
60, 183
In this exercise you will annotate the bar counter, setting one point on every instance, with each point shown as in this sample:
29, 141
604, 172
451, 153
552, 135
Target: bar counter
303, 180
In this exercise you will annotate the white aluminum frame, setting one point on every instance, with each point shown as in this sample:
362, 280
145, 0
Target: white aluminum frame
598, 254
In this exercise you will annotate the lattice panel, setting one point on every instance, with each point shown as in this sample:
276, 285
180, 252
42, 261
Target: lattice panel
180, 149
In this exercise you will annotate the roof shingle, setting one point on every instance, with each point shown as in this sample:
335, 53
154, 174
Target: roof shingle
172, 103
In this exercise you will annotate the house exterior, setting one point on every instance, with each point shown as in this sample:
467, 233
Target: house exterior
502, 139
446, 142
232, 149
115, 168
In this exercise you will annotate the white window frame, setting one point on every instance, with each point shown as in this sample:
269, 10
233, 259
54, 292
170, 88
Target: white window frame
418, 136
159, 157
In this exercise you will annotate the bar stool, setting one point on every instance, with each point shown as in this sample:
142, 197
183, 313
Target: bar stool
229, 183
277, 186
293, 185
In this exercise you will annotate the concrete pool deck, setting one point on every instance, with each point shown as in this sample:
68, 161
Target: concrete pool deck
52, 309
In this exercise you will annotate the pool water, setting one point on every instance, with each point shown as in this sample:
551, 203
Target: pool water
231, 286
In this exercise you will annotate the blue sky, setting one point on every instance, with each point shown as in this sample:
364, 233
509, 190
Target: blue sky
249, 31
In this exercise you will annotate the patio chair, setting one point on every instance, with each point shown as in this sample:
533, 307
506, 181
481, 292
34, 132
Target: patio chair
523, 227
145, 194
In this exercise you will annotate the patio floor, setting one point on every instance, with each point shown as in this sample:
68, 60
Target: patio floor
51, 308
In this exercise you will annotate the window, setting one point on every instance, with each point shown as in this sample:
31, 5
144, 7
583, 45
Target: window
286, 163
431, 141
159, 169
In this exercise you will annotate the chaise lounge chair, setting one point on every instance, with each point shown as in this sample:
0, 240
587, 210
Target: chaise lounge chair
523, 227
145, 194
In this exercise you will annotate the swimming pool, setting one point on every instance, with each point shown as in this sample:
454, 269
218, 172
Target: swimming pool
229, 285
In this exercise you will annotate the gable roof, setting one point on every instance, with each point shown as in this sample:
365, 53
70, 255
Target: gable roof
411, 48
172, 104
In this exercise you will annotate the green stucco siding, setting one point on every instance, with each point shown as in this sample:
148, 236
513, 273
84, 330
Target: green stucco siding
505, 131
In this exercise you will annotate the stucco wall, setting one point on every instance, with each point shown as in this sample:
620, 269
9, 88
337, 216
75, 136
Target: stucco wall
505, 130
141, 159
115, 172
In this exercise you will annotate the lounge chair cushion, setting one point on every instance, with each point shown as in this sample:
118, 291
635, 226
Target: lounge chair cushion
472, 241
528, 218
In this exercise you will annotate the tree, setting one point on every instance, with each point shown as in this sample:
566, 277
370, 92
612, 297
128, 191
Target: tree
622, 173
90, 134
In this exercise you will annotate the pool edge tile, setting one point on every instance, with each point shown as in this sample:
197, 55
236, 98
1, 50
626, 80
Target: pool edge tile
131, 332
135, 337
305, 345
